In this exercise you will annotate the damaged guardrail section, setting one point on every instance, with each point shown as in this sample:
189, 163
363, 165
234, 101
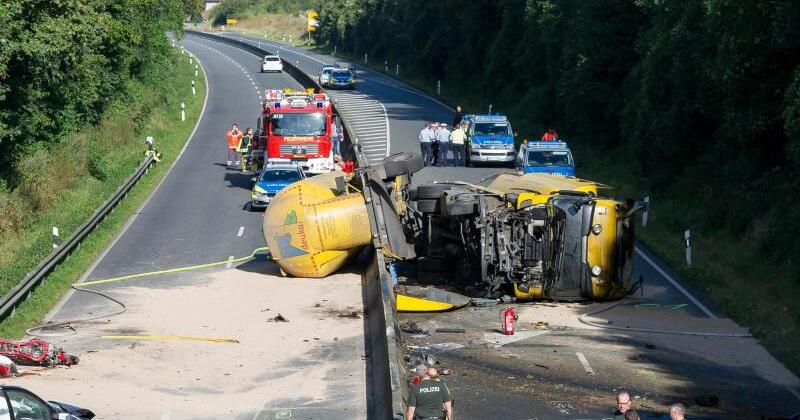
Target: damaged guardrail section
386, 364
23, 290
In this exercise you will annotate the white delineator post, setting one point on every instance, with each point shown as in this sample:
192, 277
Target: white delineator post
646, 209
438, 87
196, 70
490, 108
396, 69
183, 50
56, 238
687, 236
194, 92
365, 58
386, 66
183, 111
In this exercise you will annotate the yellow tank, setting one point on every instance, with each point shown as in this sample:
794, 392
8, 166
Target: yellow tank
312, 229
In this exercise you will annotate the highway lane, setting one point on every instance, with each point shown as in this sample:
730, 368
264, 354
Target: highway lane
195, 216
407, 110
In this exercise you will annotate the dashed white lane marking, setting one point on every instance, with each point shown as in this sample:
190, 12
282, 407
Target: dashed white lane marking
676, 284
230, 262
241, 231
585, 363
246, 73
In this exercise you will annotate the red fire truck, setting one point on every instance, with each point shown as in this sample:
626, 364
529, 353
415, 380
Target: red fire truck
295, 126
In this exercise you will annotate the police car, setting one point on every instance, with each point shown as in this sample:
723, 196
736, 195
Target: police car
548, 157
24, 404
271, 63
275, 177
490, 139
342, 78
324, 74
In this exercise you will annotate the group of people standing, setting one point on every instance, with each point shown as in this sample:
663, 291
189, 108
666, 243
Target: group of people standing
437, 143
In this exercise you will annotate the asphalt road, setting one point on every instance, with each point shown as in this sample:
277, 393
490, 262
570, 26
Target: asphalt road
490, 387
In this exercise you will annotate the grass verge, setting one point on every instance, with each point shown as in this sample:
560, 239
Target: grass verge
152, 109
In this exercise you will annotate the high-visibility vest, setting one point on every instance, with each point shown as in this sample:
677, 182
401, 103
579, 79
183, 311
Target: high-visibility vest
233, 140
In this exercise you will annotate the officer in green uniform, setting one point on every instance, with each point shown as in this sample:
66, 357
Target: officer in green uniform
430, 399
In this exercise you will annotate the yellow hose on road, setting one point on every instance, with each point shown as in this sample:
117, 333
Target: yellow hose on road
173, 270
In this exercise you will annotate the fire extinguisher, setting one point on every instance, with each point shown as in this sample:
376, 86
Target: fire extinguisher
509, 318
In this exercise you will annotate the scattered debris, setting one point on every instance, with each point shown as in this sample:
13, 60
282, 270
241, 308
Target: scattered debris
482, 302
411, 327
348, 314
450, 330
445, 371
508, 299
446, 346
541, 324
541, 366
36, 352
278, 318
317, 305
263, 310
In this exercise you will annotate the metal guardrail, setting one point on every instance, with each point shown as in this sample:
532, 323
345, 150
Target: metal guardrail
386, 352
23, 290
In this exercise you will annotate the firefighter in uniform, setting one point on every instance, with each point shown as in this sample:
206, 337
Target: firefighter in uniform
430, 399
244, 147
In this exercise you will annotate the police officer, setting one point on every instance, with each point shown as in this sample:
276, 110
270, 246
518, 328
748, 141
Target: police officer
443, 136
430, 399
425, 137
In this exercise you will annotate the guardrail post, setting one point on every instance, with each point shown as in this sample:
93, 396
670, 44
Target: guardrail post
438, 88
183, 111
646, 209
194, 92
687, 236
56, 238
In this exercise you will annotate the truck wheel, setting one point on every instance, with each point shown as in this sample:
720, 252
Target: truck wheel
433, 191
412, 161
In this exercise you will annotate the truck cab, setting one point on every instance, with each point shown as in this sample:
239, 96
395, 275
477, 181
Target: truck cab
548, 157
490, 139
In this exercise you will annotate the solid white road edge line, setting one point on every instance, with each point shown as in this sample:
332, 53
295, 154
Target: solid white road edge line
676, 284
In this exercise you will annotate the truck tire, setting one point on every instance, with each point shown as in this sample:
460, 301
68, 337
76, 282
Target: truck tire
433, 191
413, 161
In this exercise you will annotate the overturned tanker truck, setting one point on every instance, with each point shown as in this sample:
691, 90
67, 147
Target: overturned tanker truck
534, 236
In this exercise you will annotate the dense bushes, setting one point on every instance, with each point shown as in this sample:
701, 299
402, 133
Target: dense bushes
702, 98
62, 62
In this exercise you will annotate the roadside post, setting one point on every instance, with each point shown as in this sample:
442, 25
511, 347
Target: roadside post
334, 50
386, 66
438, 88
56, 238
194, 92
196, 70
365, 58
183, 50
290, 39
646, 209
183, 111
191, 61
397, 70
687, 236
490, 108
